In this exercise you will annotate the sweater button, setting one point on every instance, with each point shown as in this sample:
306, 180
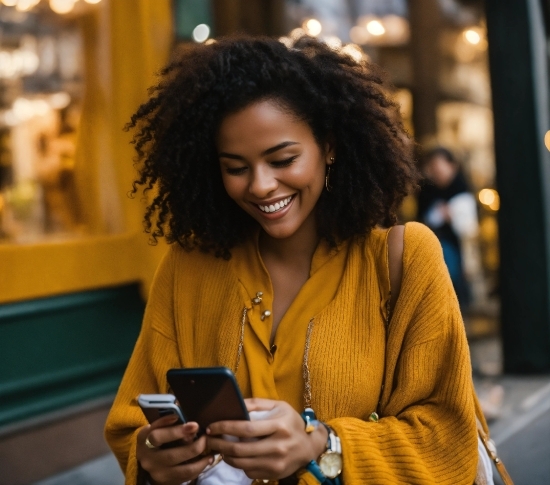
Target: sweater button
265, 314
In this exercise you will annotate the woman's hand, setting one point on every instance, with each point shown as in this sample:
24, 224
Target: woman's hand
168, 466
281, 445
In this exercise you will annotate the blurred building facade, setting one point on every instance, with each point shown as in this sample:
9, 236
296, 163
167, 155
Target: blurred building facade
75, 266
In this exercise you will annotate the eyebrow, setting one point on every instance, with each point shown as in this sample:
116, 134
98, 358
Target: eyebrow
278, 147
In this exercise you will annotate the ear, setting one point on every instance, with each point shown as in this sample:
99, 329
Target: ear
329, 151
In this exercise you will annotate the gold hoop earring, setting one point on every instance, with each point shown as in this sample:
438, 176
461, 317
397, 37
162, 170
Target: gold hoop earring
327, 180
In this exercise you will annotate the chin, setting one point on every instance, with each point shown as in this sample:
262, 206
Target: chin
278, 232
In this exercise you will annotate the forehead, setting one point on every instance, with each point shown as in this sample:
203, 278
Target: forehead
260, 126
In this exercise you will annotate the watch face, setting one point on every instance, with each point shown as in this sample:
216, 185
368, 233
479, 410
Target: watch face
331, 464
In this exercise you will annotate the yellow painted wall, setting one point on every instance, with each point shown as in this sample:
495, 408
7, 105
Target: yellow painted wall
126, 42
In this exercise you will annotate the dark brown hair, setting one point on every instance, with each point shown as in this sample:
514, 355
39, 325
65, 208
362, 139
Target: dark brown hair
341, 100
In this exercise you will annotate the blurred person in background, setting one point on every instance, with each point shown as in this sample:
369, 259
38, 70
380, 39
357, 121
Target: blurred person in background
447, 206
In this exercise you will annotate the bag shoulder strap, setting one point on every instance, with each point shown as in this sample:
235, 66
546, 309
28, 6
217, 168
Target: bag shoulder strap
491, 450
395, 262
394, 258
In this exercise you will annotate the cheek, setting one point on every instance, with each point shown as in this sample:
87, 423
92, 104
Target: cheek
229, 185
311, 176
234, 186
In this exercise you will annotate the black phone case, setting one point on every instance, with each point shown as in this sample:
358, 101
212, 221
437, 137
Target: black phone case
207, 395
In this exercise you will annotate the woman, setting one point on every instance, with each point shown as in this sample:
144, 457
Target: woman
276, 170
447, 206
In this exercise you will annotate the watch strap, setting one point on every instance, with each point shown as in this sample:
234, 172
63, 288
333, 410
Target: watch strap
310, 420
313, 468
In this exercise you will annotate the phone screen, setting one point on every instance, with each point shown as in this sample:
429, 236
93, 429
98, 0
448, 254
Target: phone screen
207, 395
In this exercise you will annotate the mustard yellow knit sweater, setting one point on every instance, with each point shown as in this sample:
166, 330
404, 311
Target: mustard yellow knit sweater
427, 431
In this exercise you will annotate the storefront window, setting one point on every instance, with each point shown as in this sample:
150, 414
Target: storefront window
41, 94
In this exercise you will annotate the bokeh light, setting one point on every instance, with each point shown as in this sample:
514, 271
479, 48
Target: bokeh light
472, 36
354, 51
375, 27
489, 198
62, 6
313, 27
201, 32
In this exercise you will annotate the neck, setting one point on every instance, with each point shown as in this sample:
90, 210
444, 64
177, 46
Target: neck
296, 249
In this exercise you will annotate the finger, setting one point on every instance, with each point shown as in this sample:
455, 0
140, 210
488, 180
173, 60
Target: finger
171, 457
164, 421
243, 429
144, 431
167, 434
187, 453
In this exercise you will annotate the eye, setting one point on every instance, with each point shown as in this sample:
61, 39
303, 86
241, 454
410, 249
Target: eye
284, 163
235, 171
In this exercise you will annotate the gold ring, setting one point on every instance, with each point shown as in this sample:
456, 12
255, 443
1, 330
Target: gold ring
149, 444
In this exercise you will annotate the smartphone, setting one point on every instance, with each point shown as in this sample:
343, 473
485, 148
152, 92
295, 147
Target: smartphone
207, 395
155, 406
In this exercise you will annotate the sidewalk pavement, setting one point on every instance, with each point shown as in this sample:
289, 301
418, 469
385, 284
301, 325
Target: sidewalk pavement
520, 424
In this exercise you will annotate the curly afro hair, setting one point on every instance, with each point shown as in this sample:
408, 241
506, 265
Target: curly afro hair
342, 100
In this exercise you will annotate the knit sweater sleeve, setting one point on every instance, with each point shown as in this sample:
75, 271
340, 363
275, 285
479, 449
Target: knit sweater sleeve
427, 430
154, 353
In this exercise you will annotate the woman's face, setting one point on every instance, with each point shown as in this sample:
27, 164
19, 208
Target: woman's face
440, 171
272, 167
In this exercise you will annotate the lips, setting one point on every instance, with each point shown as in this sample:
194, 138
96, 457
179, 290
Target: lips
276, 207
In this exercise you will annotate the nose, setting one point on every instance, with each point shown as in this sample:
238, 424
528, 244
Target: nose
262, 182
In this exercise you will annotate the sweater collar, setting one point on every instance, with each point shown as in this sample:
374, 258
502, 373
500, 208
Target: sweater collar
327, 267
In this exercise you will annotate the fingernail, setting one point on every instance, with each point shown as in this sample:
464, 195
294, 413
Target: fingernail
207, 430
211, 460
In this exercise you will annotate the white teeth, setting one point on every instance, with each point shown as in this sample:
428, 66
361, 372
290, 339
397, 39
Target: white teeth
275, 207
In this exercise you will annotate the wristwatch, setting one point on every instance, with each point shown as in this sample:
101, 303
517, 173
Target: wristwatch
330, 462
328, 466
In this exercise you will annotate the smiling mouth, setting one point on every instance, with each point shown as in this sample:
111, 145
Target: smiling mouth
269, 209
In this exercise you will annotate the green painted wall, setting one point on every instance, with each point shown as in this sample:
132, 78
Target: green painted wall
59, 351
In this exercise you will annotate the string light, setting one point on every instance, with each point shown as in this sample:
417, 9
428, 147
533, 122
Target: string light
9, 3
489, 198
375, 27
93, 2
354, 51
297, 33
286, 41
472, 36
201, 32
313, 27
62, 6
333, 42
26, 5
